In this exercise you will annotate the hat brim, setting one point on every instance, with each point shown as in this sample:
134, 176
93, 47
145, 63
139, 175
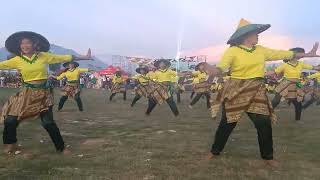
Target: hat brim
157, 63
13, 42
245, 30
67, 64
138, 70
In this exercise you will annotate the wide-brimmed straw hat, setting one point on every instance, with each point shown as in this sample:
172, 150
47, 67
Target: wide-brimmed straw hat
145, 68
76, 64
13, 42
165, 61
245, 28
198, 65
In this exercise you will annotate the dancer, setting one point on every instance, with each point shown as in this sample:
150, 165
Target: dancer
315, 96
118, 86
162, 86
35, 99
290, 88
179, 89
72, 88
142, 87
245, 91
202, 87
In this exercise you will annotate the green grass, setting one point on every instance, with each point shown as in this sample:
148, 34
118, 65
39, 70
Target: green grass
119, 142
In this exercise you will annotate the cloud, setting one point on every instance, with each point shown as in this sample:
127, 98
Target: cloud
215, 52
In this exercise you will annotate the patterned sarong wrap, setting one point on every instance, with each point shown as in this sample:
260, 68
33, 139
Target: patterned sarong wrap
216, 87
142, 90
28, 103
159, 92
71, 89
242, 95
290, 90
118, 88
201, 87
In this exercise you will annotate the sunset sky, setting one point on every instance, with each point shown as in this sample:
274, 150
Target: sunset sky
154, 28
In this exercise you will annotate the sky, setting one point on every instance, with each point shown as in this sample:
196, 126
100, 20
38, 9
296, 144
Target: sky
160, 28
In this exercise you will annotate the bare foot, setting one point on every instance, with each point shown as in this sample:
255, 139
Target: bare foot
210, 156
10, 148
66, 152
272, 163
190, 107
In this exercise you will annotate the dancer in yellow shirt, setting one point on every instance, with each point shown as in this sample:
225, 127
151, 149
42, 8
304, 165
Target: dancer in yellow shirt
163, 86
72, 88
142, 88
118, 86
202, 87
245, 92
36, 98
290, 88
315, 97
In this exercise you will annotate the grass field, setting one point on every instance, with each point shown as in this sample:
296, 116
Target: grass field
115, 141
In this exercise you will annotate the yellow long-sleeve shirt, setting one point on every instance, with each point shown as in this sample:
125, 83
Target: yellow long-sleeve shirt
292, 71
117, 79
142, 79
72, 75
315, 76
164, 76
37, 70
246, 65
199, 77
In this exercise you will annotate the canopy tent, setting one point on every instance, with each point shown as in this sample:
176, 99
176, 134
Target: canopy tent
111, 70
108, 71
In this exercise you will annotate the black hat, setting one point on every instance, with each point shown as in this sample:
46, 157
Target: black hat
118, 73
165, 61
13, 42
197, 66
76, 64
138, 70
295, 50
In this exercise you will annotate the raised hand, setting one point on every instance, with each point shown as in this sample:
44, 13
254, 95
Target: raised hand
313, 52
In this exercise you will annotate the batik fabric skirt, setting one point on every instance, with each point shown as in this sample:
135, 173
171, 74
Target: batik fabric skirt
242, 95
71, 89
160, 92
28, 103
202, 87
118, 88
290, 90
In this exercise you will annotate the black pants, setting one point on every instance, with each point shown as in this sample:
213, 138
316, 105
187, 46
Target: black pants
114, 94
152, 104
297, 105
264, 130
198, 96
192, 94
135, 99
178, 97
77, 98
11, 123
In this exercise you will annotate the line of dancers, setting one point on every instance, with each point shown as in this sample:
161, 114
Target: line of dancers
236, 85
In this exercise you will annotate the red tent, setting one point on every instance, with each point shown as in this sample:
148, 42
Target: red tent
109, 71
